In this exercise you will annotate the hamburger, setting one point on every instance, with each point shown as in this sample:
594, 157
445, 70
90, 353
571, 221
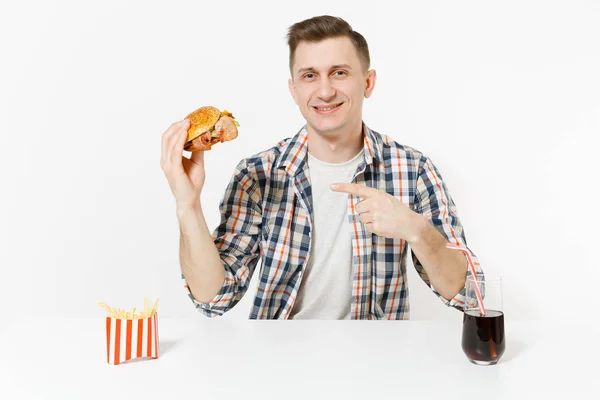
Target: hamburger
209, 126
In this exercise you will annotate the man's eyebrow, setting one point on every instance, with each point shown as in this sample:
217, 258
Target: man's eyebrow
346, 66
337, 66
301, 70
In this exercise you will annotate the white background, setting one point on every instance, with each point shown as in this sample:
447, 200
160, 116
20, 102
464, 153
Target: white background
504, 98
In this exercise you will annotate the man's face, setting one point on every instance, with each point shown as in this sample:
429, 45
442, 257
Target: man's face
329, 83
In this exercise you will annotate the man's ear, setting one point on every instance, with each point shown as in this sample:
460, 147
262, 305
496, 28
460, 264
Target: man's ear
370, 82
292, 89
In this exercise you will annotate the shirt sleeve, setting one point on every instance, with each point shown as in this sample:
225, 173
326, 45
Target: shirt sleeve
435, 203
237, 238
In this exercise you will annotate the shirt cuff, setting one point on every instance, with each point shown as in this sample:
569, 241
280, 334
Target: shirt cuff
218, 305
457, 301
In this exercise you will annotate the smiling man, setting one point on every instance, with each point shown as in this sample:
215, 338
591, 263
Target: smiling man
332, 211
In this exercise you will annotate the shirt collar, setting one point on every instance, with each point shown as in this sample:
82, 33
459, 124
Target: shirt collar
294, 152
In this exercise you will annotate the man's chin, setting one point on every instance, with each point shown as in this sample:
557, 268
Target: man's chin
327, 130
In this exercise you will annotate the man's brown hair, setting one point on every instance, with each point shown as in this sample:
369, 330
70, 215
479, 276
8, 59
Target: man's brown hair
324, 27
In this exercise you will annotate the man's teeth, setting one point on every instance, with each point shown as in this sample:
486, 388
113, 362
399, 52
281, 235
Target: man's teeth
326, 108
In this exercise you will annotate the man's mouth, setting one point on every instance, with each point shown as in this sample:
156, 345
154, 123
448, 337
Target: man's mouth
326, 108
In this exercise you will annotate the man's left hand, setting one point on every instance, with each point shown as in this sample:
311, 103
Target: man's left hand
383, 214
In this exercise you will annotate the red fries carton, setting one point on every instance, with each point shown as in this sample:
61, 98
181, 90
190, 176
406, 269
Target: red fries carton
131, 335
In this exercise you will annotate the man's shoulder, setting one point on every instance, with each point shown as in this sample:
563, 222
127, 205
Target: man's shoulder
262, 162
393, 150
270, 154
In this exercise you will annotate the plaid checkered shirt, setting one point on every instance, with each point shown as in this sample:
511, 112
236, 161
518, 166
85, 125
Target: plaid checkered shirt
266, 214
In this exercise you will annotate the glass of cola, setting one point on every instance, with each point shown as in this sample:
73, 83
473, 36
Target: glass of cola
483, 340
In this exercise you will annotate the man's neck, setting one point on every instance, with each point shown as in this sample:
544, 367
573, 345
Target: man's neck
335, 147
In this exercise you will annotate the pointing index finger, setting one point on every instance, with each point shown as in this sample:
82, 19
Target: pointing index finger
352, 188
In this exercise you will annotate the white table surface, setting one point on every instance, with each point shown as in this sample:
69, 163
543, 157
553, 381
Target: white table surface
221, 358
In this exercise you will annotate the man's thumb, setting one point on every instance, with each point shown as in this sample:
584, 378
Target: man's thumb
198, 157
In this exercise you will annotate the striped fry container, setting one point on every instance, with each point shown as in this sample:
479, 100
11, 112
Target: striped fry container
127, 339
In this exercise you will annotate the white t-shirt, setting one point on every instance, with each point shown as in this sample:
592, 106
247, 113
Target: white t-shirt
326, 288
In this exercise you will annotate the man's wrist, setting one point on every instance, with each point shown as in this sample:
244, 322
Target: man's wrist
188, 210
420, 226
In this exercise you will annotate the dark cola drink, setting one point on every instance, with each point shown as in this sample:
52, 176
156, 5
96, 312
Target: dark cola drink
483, 336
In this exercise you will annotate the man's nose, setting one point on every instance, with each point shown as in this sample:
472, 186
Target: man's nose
326, 90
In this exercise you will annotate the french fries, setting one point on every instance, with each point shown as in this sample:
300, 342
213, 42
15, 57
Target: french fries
122, 314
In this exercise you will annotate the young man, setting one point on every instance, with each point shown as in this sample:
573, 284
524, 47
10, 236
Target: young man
331, 211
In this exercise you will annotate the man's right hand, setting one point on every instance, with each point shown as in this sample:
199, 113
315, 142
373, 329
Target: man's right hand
185, 175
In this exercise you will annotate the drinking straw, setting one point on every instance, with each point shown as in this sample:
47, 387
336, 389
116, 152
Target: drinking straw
473, 272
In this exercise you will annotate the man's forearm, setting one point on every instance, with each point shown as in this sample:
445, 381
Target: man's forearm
200, 262
445, 268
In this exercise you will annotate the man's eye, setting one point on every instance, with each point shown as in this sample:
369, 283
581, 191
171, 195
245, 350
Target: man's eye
309, 76
340, 73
